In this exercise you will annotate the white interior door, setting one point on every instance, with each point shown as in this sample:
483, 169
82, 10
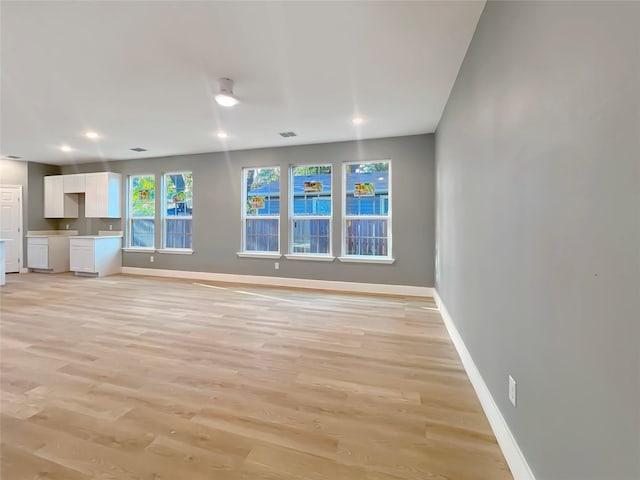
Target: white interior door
11, 225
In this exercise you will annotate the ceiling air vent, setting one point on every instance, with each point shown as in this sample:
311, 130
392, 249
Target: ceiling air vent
287, 134
138, 149
13, 157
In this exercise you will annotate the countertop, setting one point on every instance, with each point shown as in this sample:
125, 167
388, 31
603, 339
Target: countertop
97, 236
51, 233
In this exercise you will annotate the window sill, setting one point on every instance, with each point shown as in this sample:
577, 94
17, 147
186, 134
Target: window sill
365, 259
258, 255
176, 251
315, 258
138, 250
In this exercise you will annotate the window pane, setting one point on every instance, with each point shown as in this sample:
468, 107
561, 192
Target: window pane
142, 210
311, 236
179, 194
367, 189
142, 196
366, 237
312, 190
142, 233
262, 191
178, 233
262, 235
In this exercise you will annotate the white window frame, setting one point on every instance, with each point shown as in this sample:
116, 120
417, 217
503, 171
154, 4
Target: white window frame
292, 217
130, 216
244, 217
345, 218
164, 217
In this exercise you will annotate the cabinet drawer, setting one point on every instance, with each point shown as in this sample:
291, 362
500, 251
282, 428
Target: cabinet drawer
81, 242
37, 241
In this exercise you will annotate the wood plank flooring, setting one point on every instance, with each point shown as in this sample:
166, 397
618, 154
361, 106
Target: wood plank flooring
141, 378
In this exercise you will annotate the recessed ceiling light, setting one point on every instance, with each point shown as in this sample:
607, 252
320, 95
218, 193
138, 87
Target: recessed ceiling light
357, 120
225, 97
91, 135
288, 134
65, 148
222, 134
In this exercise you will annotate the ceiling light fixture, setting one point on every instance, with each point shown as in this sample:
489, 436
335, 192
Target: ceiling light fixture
225, 97
92, 135
357, 120
65, 148
222, 134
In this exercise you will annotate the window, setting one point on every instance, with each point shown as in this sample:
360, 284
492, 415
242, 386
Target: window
178, 210
261, 210
367, 209
142, 211
310, 206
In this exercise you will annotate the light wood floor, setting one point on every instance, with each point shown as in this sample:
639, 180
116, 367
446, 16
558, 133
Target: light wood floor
138, 378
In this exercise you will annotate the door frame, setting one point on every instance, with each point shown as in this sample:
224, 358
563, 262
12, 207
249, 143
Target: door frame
23, 267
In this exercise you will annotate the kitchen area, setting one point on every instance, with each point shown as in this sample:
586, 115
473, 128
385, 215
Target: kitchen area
83, 243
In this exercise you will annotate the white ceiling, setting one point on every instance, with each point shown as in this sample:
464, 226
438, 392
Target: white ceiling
143, 73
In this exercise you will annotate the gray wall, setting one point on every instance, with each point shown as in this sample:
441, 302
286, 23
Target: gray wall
35, 206
217, 225
538, 245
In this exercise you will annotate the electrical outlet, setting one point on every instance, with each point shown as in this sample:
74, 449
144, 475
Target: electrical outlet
512, 390
67, 226
151, 259
277, 265
110, 227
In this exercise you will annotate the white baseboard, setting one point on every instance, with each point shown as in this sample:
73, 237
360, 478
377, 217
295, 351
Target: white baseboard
353, 287
512, 453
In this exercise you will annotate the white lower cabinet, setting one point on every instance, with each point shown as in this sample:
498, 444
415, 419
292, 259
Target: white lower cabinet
95, 256
48, 253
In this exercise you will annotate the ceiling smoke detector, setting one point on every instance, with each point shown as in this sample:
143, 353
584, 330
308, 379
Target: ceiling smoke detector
288, 134
139, 149
225, 97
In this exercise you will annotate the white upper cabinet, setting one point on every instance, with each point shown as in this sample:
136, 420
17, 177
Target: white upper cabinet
58, 204
73, 183
102, 197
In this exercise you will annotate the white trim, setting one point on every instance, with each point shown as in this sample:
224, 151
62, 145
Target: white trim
138, 250
258, 255
176, 251
364, 259
512, 453
373, 288
310, 256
